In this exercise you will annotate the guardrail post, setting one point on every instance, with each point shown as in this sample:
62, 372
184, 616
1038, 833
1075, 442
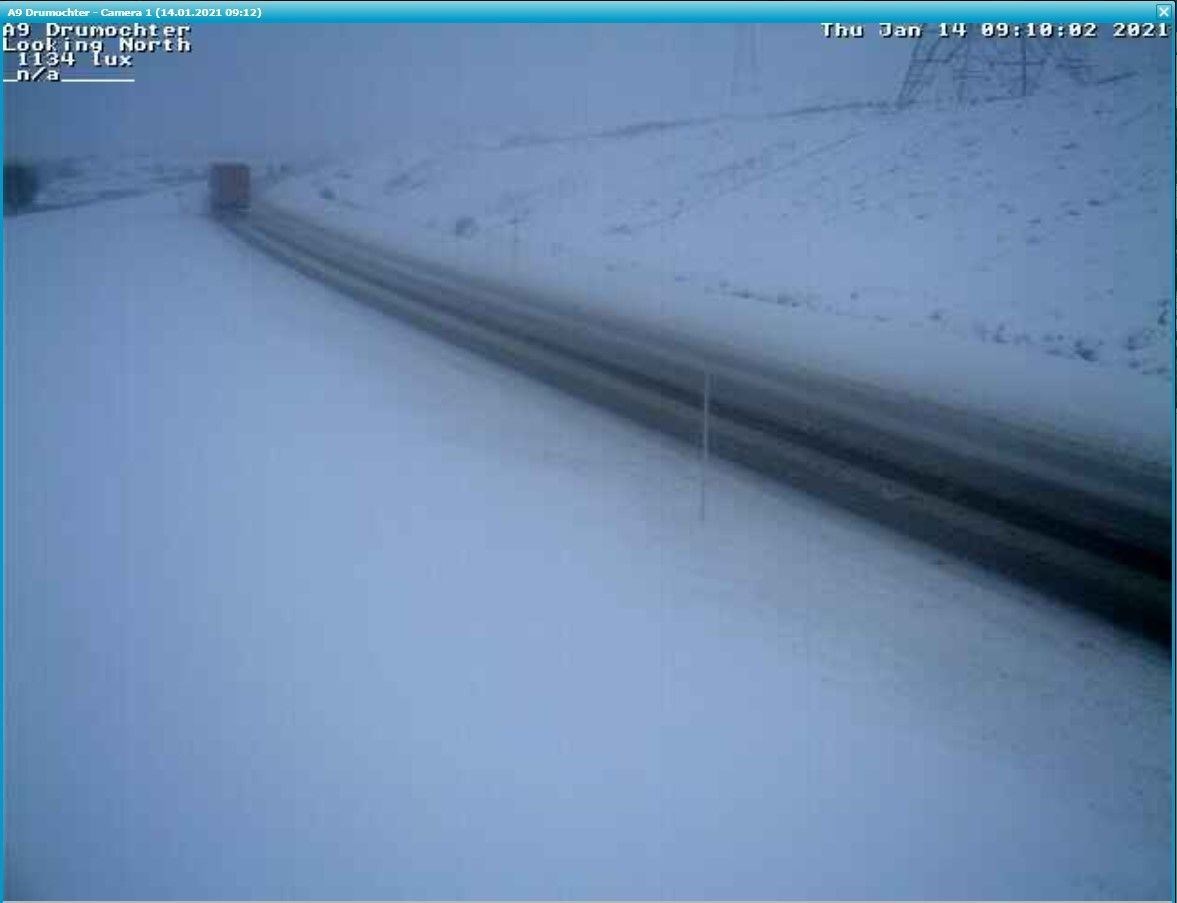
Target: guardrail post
706, 446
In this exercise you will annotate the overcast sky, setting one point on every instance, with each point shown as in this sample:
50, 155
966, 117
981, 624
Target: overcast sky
292, 90
285, 91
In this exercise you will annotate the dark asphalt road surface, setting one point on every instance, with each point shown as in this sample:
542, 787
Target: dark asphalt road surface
1089, 527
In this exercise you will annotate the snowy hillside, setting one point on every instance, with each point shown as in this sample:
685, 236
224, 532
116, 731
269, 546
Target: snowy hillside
973, 241
1040, 223
78, 180
72, 181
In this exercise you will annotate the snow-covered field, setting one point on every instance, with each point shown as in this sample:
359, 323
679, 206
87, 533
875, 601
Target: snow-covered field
1010, 257
301, 603
73, 181
94, 178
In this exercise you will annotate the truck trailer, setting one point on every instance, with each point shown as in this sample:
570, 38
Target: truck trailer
228, 186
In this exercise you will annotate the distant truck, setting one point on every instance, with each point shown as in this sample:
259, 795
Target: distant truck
228, 188
21, 183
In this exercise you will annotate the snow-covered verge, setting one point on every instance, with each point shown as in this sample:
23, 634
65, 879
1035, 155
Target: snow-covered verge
1010, 257
303, 604
72, 181
93, 178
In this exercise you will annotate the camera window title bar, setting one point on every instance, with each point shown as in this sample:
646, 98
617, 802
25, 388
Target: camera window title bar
1055, 11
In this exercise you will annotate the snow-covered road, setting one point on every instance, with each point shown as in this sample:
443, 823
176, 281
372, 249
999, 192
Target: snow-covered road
302, 603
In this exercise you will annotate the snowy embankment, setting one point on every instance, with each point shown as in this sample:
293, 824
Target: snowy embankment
1012, 258
302, 603
77, 181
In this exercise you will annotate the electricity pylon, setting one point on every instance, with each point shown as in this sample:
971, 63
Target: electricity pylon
745, 63
973, 68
